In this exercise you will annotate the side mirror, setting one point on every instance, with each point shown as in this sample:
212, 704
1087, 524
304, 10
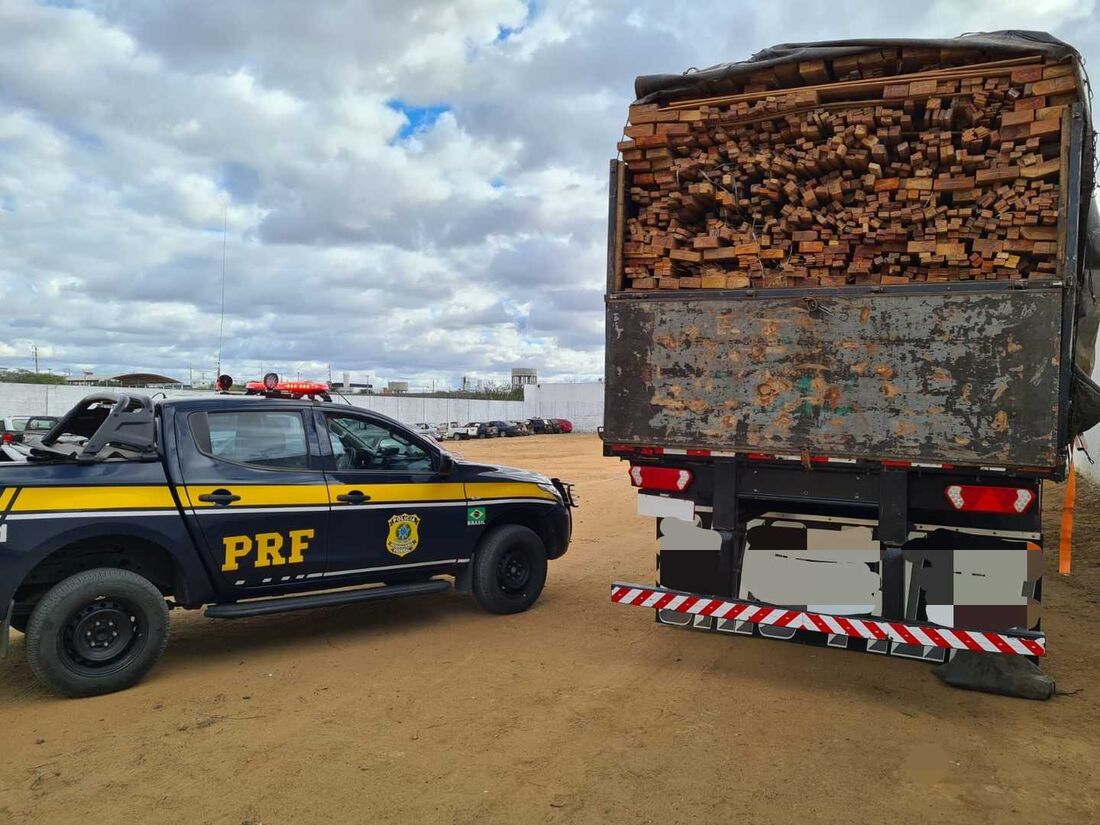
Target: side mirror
446, 464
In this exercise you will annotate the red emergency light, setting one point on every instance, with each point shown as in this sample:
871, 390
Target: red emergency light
272, 384
667, 479
973, 498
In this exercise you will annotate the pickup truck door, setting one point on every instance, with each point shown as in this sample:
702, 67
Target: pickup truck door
255, 492
392, 513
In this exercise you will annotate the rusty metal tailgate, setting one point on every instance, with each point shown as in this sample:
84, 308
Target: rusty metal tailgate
968, 377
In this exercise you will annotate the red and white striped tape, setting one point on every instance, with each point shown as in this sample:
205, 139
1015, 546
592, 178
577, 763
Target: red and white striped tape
874, 629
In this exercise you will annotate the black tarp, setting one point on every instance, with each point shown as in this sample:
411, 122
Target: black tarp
720, 79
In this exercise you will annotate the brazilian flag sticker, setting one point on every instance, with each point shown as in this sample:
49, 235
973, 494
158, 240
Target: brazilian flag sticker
475, 515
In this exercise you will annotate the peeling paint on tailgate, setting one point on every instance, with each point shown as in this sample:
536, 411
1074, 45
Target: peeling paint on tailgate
967, 377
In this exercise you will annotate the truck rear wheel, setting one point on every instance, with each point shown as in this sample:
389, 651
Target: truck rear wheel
509, 569
98, 631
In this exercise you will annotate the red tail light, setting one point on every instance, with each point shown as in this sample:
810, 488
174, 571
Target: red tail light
972, 498
668, 479
8, 438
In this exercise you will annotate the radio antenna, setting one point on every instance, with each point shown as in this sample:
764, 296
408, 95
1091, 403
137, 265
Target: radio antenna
221, 320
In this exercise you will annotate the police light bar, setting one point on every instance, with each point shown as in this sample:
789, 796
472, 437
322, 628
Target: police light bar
273, 386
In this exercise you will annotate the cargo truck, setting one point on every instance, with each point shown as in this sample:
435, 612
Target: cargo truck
850, 328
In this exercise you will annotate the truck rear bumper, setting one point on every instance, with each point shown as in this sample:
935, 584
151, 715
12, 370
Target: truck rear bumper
1020, 643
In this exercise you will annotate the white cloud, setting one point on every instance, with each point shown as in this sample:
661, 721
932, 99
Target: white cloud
412, 189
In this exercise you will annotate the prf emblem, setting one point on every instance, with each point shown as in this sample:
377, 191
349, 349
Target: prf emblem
403, 536
268, 548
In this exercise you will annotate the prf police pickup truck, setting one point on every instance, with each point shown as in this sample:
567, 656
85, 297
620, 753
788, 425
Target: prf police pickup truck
248, 506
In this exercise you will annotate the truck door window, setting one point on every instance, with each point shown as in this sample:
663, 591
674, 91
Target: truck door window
359, 444
261, 438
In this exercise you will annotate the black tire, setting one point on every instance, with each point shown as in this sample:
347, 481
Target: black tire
74, 626
509, 569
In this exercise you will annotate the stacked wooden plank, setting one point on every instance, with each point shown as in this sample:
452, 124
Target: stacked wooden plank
890, 167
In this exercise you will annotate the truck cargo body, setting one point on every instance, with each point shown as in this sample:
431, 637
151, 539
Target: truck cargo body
966, 372
853, 463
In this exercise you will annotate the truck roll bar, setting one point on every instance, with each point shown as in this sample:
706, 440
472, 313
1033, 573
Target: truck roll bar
130, 423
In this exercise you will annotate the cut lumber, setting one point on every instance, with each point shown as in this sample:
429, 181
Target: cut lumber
881, 167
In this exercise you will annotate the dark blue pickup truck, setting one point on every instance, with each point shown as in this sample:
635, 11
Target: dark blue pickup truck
248, 506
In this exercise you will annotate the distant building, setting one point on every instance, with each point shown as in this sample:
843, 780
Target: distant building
130, 379
397, 387
522, 376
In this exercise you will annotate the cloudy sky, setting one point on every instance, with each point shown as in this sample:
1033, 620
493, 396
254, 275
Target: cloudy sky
412, 189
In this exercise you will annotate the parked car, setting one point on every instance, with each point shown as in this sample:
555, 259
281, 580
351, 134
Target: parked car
426, 430
521, 428
552, 426
564, 425
13, 425
37, 426
40, 424
485, 429
455, 431
537, 425
96, 619
506, 428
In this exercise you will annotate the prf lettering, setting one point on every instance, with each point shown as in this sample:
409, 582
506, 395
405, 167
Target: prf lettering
268, 548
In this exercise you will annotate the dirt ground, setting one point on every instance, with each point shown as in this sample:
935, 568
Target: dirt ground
429, 710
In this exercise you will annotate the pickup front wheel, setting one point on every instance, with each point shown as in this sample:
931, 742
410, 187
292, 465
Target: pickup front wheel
97, 632
509, 569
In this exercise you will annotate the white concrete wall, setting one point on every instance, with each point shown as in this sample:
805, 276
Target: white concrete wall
580, 403
52, 399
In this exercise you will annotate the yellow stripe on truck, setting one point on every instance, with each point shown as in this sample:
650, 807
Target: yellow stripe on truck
507, 489
441, 491
58, 499
260, 495
6, 497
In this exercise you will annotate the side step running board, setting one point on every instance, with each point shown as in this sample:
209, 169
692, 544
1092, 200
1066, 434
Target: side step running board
284, 604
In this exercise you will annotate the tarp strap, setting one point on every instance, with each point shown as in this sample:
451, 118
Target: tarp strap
1065, 535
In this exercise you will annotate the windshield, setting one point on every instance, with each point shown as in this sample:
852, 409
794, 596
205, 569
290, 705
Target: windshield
41, 423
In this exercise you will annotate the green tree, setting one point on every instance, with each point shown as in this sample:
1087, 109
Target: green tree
27, 377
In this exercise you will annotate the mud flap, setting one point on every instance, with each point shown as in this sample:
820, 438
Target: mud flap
992, 673
1084, 403
464, 579
5, 630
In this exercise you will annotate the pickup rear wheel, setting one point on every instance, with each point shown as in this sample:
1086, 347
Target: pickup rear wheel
509, 569
97, 632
